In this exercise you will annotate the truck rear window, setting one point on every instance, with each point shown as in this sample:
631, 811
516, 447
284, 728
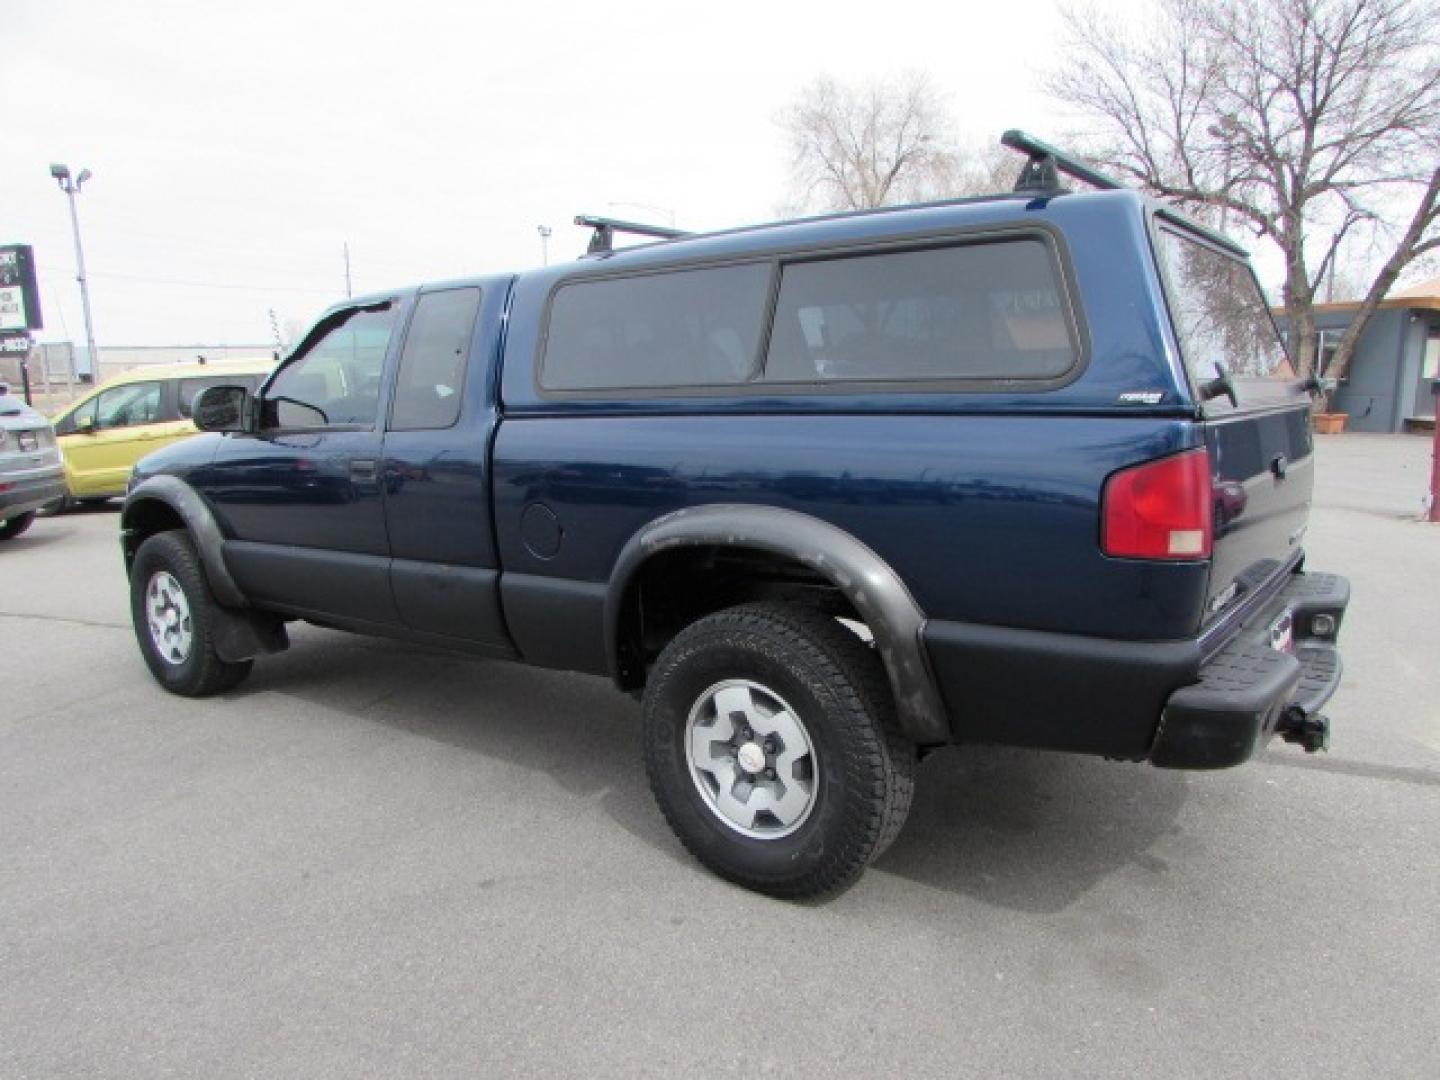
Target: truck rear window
1222, 319
679, 328
973, 311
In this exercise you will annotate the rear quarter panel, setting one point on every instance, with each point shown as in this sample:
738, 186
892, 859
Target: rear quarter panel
987, 519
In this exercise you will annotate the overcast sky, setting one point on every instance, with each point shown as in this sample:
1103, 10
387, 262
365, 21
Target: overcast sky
237, 148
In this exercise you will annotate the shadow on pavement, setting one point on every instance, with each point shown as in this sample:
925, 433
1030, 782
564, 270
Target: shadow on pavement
1028, 830
1023, 830
574, 728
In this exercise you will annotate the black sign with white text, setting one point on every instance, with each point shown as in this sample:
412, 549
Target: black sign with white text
19, 291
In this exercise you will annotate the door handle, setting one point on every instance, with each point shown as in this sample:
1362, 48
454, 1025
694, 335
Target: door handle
363, 470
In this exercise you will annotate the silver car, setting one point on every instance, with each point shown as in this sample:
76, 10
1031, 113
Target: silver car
31, 472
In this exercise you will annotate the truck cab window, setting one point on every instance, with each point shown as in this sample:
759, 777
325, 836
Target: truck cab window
337, 381
432, 366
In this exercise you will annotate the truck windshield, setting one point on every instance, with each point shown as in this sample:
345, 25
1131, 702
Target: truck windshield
1223, 322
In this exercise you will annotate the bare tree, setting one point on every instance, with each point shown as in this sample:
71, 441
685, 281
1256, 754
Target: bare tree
1310, 122
855, 147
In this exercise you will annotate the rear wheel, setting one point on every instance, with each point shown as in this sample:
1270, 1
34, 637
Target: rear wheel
13, 527
174, 616
772, 749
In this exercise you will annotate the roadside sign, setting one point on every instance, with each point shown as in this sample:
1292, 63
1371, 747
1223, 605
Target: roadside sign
19, 290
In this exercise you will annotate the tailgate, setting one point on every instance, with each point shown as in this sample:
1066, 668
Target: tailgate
1263, 465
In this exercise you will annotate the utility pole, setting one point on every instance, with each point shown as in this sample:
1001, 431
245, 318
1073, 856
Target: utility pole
71, 187
348, 292
544, 231
275, 332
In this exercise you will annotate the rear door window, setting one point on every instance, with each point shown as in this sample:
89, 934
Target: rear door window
129, 406
982, 311
433, 362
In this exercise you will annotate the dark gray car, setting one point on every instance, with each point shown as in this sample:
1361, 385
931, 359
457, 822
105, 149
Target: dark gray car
31, 472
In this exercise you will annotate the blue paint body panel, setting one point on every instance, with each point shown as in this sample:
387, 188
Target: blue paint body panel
986, 518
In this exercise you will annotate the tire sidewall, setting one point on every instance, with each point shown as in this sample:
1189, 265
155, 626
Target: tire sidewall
169, 552
698, 662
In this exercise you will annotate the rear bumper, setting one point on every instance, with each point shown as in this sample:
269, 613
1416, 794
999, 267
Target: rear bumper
1249, 690
1171, 702
22, 496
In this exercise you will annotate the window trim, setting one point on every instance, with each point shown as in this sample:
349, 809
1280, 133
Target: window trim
1050, 236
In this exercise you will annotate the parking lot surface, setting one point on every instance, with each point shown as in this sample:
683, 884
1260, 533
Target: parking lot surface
373, 860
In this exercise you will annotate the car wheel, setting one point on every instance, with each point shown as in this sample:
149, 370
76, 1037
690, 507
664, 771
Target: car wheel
16, 525
173, 612
772, 749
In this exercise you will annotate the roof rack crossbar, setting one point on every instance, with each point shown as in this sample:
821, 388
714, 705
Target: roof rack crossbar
1041, 173
603, 238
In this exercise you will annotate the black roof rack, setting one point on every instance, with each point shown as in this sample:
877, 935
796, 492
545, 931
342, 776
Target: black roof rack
603, 238
1041, 174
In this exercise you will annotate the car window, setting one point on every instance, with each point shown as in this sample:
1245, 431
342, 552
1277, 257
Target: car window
337, 380
432, 365
1223, 321
680, 328
190, 389
69, 423
128, 406
977, 311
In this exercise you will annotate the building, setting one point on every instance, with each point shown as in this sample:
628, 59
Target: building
1388, 386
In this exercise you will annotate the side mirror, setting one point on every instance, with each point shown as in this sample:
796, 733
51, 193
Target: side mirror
221, 408
85, 425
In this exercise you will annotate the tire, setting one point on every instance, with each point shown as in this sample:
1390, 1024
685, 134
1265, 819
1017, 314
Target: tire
166, 580
16, 525
763, 674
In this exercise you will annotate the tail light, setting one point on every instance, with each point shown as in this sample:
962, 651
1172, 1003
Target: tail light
1160, 510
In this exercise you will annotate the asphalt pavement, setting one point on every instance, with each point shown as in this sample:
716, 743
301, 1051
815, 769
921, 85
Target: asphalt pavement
374, 860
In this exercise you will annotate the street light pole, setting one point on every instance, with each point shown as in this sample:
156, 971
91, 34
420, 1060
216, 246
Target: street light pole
71, 187
544, 231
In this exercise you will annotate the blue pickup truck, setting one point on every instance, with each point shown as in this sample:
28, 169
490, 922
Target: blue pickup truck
1031, 469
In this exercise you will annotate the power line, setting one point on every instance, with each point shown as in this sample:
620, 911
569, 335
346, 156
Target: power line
195, 284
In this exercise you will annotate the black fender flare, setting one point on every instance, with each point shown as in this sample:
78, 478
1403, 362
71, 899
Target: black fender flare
863, 577
204, 530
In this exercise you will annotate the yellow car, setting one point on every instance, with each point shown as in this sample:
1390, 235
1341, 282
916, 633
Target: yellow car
106, 432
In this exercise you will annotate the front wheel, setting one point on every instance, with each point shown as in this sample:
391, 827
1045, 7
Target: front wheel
773, 751
174, 616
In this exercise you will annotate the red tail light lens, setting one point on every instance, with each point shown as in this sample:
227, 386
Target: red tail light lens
1160, 510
